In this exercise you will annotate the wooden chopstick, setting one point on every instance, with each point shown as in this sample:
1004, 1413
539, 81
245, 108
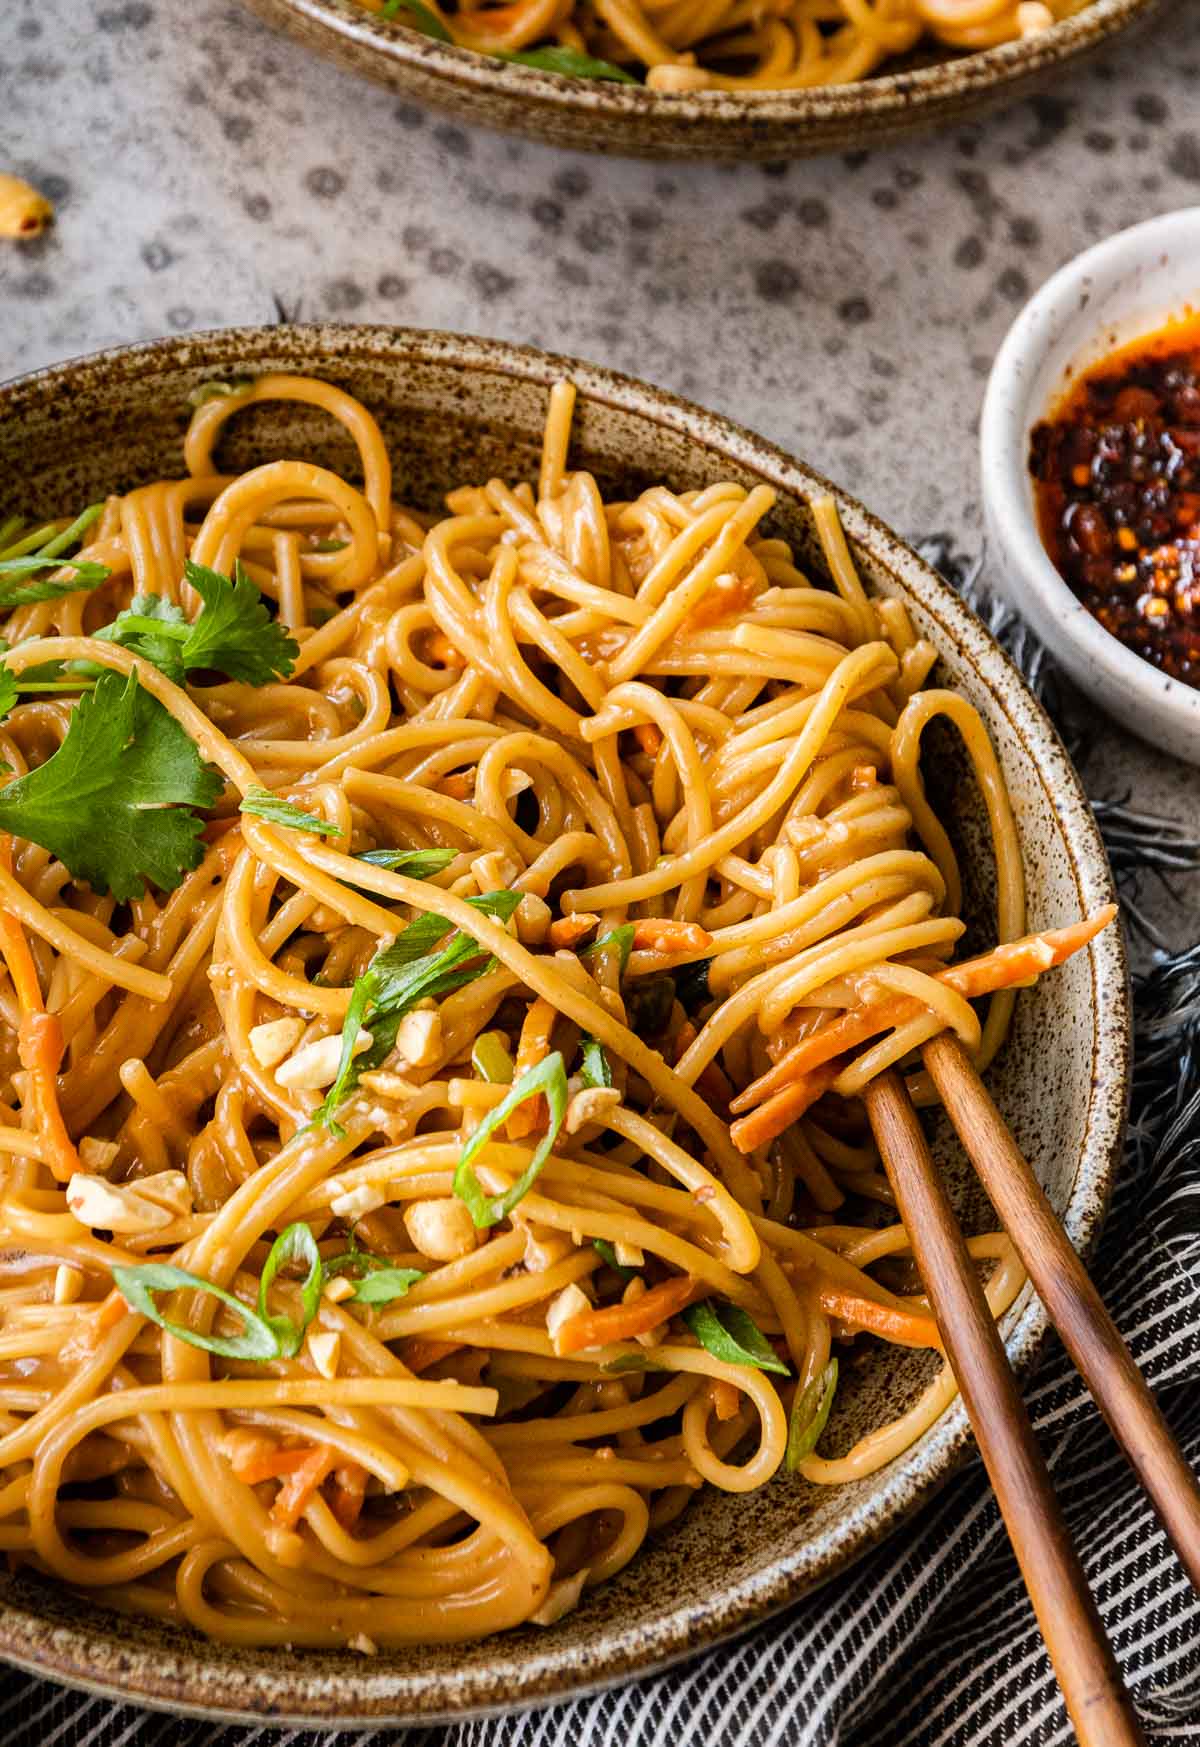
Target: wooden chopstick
1083, 1661
1072, 1302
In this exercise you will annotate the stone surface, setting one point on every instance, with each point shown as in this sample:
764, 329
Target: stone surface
207, 172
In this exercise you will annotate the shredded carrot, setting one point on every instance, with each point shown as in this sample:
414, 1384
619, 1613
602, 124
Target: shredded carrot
622, 1322
257, 1461
39, 1041
419, 1353
684, 1039
649, 737
725, 1398
110, 1313
728, 594
299, 1486
568, 931
1001, 968
534, 1045
668, 936
780, 1111
904, 1328
349, 1490
440, 651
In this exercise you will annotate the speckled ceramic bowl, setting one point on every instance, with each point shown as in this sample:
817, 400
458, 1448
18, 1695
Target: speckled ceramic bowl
590, 115
455, 410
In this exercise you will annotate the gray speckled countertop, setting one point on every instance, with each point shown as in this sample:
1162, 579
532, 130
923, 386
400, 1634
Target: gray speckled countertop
208, 172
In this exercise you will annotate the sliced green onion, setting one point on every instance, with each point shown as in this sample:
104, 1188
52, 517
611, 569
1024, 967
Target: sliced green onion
548, 1076
258, 1340
810, 1411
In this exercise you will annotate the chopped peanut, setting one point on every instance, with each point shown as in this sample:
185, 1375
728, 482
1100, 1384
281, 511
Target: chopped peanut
324, 1349
442, 1230
115, 1207
276, 1038
315, 1065
419, 1038
354, 1203
568, 1304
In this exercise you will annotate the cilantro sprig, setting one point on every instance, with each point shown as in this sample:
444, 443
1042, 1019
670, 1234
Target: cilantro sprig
116, 803
234, 633
415, 967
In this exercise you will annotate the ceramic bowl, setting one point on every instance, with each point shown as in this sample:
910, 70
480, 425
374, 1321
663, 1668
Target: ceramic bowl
453, 410
1129, 285
588, 115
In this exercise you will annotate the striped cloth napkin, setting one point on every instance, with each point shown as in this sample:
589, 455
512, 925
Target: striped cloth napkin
930, 1641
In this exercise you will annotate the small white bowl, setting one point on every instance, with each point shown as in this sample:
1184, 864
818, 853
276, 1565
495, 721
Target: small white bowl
1130, 285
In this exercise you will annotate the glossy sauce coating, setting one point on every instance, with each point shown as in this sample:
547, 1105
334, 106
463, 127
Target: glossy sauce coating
1117, 472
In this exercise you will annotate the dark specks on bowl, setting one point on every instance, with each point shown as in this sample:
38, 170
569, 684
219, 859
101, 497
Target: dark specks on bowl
454, 409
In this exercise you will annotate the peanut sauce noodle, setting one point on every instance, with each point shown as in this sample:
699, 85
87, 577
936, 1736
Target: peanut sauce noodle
736, 45
694, 776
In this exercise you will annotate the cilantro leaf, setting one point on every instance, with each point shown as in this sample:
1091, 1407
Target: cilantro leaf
278, 811
235, 634
384, 1285
418, 864
548, 1076
114, 803
152, 627
411, 969
730, 1334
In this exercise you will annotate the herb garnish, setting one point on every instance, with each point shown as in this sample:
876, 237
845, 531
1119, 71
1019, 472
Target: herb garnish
85, 573
595, 1070
548, 1076
810, 1410
115, 802
420, 17
234, 633
263, 804
730, 1334
417, 864
557, 58
411, 969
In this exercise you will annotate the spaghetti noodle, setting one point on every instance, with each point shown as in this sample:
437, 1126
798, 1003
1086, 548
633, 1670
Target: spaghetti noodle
423, 1183
725, 45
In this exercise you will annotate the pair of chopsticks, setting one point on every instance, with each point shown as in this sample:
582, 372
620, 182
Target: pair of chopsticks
1091, 1684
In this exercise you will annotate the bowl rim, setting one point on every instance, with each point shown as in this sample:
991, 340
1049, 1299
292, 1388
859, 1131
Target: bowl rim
530, 1675
1006, 424
887, 95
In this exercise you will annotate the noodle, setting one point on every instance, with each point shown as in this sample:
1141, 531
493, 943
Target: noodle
730, 45
664, 795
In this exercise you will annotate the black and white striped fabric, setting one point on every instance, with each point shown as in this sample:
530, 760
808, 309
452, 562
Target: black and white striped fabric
930, 1641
